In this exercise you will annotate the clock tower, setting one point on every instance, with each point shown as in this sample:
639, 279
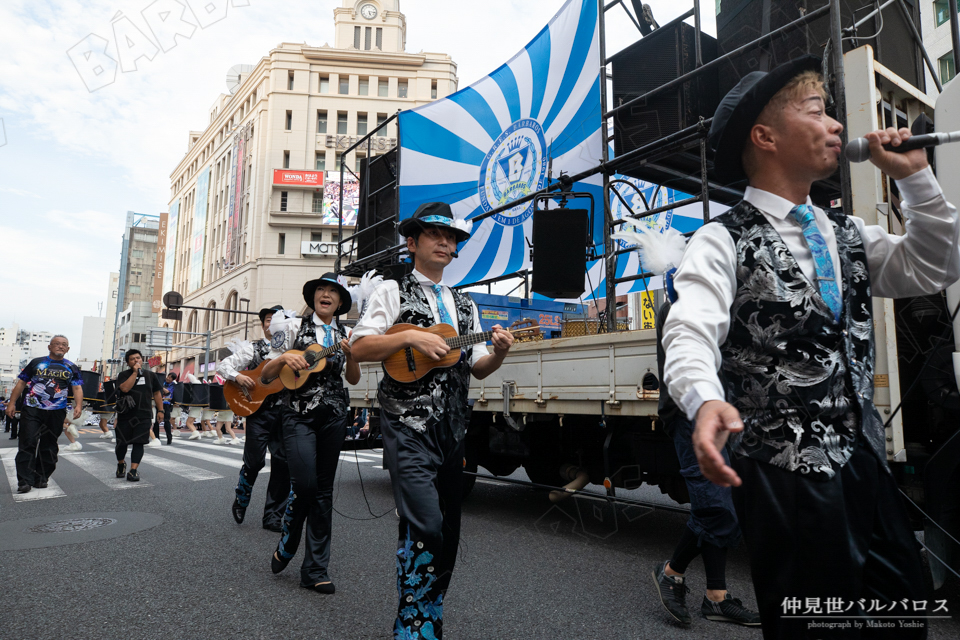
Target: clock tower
370, 25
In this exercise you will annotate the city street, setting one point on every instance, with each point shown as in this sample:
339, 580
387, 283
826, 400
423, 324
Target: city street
526, 570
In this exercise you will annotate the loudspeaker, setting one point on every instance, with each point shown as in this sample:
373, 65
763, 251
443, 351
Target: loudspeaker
91, 385
667, 53
378, 202
741, 21
559, 252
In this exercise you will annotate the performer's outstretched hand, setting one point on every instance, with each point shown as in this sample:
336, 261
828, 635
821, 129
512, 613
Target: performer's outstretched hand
715, 421
896, 165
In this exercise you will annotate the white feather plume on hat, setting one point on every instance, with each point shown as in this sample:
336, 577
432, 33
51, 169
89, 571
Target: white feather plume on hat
463, 225
658, 251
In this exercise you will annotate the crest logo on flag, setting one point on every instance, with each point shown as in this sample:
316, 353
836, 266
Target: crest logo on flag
514, 167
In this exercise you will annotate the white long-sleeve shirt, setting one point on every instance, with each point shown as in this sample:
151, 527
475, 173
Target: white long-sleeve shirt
923, 261
238, 361
383, 309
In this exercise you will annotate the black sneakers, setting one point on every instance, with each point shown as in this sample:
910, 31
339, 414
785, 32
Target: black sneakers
238, 512
729, 610
133, 476
673, 593
23, 488
41, 484
121, 469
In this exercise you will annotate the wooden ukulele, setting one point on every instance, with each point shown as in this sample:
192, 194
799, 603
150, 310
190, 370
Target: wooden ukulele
244, 402
316, 357
409, 365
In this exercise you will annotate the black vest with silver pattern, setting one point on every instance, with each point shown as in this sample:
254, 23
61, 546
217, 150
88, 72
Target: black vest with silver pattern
442, 393
324, 390
803, 383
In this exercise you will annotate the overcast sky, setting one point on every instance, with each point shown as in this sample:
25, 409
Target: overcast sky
73, 162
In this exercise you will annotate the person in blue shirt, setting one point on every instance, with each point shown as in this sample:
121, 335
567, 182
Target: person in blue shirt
47, 381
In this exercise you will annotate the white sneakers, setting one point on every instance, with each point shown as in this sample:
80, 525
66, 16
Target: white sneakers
194, 436
175, 433
155, 443
106, 436
219, 441
236, 441
74, 446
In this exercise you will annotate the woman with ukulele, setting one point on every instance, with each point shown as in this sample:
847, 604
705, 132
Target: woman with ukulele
313, 421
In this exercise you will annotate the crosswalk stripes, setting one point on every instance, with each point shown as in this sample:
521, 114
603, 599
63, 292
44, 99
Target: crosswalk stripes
100, 469
53, 490
185, 471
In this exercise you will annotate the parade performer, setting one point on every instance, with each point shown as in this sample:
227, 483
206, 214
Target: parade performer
47, 381
135, 420
262, 432
424, 422
313, 422
771, 345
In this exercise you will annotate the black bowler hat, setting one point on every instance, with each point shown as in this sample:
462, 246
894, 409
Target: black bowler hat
740, 108
310, 289
263, 312
435, 214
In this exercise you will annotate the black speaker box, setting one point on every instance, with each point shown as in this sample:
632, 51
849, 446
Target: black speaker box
378, 202
91, 385
559, 252
666, 54
742, 21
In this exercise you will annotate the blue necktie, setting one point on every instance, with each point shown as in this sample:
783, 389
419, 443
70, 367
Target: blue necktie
326, 335
826, 278
444, 316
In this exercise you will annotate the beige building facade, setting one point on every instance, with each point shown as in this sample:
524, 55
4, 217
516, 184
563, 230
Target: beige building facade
246, 222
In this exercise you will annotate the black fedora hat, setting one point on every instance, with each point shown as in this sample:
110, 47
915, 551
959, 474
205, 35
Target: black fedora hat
263, 312
740, 108
435, 214
310, 289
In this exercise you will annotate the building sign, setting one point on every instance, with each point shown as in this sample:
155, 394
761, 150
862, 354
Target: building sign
648, 315
161, 263
550, 321
309, 248
494, 314
287, 177
376, 143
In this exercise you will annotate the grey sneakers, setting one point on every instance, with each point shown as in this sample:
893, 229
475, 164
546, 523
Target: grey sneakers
729, 610
673, 593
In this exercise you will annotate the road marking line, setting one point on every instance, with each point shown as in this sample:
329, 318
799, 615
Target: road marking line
103, 471
234, 464
52, 491
185, 471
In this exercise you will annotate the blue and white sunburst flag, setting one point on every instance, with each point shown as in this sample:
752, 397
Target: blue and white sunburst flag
492, 143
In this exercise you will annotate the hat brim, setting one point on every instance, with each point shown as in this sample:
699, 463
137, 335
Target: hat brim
310, 290
728, 150
408, 226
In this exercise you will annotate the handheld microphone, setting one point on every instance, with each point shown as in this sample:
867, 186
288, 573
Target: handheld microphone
859, 150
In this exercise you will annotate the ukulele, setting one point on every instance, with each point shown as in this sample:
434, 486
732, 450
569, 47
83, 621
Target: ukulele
244, 402
409, 365
316, 357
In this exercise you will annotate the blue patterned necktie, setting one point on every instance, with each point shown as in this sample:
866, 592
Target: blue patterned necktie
826, 277
444, 316
326, 335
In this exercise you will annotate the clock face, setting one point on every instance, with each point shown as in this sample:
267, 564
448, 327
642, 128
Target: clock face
368, 11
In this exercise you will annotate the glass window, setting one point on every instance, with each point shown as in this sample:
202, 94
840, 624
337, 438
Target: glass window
357, 165
356, 37
317, 202
286, 159
134, 288
379, 38
364, 86
281, 244
321, 161
321, 121
366, 39
383, 88
324, 84
288, 124
344, 85
336, 165
941, 12
433, 90
402, 89
290, 81
381, 118
316, 236
342, 123
361, 124
283, 201
948, 68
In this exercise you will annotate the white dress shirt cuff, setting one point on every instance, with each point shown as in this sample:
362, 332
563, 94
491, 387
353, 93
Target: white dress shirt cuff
919, 187
699, 393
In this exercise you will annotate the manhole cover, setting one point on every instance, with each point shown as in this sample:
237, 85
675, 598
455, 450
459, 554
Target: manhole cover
69, 526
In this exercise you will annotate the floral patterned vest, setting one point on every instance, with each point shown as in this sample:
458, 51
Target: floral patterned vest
442, 393
803, 384
324, 390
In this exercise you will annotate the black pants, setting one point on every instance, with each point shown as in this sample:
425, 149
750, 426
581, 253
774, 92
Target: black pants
847, 538
263, 434
13, 426
37, 454
312, 445
426, 470
135, 457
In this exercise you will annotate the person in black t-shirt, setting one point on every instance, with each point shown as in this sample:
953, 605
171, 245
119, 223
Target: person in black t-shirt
47, 381
134, 424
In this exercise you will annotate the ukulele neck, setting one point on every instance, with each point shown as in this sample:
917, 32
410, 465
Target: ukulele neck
458, 342
315, 356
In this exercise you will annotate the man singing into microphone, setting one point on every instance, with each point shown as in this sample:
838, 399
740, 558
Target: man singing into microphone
771, 345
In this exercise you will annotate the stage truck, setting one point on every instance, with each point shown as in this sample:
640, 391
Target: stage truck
582, 409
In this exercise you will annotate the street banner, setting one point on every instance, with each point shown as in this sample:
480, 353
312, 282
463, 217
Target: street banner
161, 264
496, 140
171, 257
199, 229
236, 198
